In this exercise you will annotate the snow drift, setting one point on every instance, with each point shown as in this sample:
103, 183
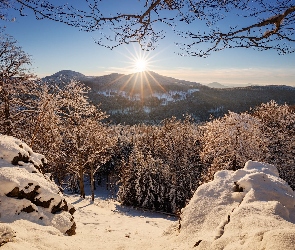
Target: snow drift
251, 208
25, 193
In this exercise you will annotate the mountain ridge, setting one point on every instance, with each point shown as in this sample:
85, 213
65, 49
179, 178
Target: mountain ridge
150, 98
144, 83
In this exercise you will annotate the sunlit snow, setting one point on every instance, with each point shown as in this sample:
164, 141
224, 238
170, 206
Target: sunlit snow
251, 208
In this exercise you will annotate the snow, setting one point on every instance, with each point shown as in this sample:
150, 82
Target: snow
260, 217
25, 193
11, 147
251, 208
104, 224
170, 96
6, 234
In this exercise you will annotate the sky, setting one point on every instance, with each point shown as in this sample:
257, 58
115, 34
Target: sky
56, 46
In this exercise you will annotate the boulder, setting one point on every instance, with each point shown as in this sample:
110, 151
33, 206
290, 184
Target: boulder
251, 208
25, 193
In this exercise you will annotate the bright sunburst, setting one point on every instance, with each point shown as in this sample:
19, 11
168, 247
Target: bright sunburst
139, 60
140, 80
140, 65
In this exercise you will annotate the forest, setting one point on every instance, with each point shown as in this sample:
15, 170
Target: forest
157, 166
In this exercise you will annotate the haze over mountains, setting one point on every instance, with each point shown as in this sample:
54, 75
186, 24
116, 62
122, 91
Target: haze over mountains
149, 97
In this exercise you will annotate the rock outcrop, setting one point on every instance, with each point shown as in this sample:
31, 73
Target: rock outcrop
251, 208
25, 193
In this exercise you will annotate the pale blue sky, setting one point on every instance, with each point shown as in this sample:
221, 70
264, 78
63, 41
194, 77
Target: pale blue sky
55, 46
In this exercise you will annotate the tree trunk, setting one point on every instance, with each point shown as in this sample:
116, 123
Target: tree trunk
234, 163
92, 182
81, 175
7, 121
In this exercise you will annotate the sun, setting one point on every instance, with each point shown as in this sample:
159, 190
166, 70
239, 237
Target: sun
140, 65
139, 60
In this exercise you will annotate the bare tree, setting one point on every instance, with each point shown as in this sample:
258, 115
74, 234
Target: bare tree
212, 25
16, 85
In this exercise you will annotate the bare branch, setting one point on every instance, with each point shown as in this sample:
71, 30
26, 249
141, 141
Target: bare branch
272, 23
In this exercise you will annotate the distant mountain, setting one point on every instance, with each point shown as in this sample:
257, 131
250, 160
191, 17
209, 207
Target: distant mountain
143, 83
147, 82
239, 85
64, 75
148, 97
217, 85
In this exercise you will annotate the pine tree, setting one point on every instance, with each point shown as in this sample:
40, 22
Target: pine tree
164, 167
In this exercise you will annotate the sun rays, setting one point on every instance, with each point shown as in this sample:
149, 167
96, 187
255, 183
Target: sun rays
138, 81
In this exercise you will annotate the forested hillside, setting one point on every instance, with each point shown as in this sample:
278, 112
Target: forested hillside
148, 97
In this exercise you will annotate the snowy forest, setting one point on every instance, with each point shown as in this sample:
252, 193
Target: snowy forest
157, 167
73, 177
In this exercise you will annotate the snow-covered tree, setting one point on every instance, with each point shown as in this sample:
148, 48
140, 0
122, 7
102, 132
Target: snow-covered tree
86, 140
279, 128
45, 133
17, 88
99, 149
164, 168
229, 142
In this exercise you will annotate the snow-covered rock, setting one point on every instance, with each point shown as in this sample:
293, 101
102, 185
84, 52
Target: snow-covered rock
25, 193
251, 208
13, 150
6, 233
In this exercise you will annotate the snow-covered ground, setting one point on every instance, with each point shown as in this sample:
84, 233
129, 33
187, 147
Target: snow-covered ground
104, 224
251, 208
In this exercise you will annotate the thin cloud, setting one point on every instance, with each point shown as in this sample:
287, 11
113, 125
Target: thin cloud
235, 75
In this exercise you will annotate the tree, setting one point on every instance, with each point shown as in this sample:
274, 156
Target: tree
45, 133
212, 25
101, 141
18, 89
87, 142
229, 142
279, 128
164, 168
4, 5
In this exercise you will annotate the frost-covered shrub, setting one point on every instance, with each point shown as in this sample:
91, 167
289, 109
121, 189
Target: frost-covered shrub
266, 134
163, 169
